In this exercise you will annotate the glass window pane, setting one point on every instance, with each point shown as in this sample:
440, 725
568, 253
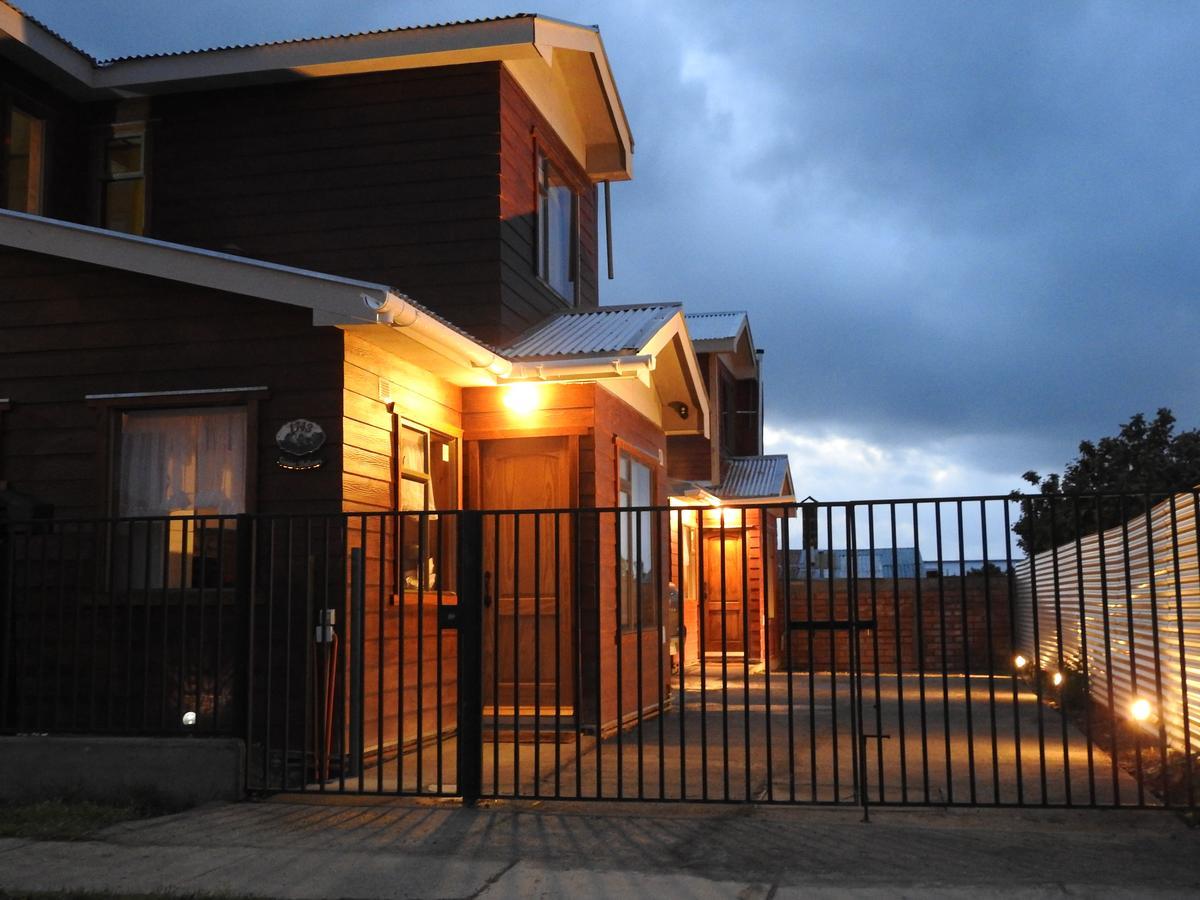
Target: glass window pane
124, 206
412, 450
125, 156
23, 169
412, 494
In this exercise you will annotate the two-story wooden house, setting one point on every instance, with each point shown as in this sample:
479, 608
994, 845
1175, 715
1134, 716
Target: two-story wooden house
359, 274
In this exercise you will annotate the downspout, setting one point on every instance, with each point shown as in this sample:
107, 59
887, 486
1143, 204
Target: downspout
398, 311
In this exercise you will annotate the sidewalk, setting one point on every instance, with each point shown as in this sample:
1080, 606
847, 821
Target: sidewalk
373, 848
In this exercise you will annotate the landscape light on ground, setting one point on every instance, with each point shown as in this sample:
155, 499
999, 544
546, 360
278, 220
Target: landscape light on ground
189, 718
521, 398
1058, 678
1019, 661
1140, 709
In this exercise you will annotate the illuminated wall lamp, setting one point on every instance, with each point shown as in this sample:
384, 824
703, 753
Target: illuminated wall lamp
522, 399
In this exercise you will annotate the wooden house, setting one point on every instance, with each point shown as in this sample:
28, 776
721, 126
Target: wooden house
359, 275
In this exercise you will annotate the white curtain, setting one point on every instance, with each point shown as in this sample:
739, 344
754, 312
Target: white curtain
183, 461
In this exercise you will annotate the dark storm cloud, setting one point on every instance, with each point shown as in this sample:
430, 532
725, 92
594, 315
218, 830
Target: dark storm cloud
971, 225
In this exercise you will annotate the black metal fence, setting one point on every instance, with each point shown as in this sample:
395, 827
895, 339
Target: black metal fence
890, 652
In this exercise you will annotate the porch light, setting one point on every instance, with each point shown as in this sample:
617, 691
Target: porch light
189, 718
1020, 661
1140, 709
522, 398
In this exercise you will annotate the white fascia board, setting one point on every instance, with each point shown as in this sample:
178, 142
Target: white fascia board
333, 300
341, 298
74, 68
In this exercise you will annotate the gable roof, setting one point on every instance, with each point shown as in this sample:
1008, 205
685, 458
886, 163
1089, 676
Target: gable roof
608, 329
755, 478
717, 326
563, 68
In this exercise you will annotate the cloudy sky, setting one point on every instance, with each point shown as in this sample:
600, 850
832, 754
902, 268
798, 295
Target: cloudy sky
966, 233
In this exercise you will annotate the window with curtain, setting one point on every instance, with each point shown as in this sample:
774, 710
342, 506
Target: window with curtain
638, 564
428, 482
180, 462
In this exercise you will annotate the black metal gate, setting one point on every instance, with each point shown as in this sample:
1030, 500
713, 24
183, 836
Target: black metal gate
906, 653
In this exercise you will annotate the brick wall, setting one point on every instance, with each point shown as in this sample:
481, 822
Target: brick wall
958, 608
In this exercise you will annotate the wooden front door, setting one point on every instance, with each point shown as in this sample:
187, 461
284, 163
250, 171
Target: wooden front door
528, 663
723, 631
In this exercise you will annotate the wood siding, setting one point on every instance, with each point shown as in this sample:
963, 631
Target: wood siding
70, 329
390, 177
526, 298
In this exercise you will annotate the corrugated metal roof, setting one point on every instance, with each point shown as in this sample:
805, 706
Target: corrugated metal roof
284, 41
46, 28
611, 329
715, 326
324, 37
751, 477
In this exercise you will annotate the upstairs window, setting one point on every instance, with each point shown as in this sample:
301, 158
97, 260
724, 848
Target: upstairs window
557, 231
125, 179
24, 158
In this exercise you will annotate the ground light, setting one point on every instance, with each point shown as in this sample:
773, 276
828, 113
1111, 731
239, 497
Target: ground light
1020, 661
1058, 678
1140, 709
189, 718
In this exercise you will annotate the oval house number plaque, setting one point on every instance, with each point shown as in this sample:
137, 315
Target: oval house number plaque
299, 440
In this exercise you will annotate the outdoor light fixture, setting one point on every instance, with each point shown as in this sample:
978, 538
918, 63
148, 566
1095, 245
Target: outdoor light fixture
1019, 661
1140, 709
189, 718
681, 408
1058, 678
521, 398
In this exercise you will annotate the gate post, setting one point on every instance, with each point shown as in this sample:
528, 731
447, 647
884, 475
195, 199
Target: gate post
470, 656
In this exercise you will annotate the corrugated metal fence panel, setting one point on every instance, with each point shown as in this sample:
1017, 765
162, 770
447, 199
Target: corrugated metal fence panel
1123, 608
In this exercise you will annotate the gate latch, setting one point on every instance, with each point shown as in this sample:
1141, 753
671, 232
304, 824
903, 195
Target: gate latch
447, 617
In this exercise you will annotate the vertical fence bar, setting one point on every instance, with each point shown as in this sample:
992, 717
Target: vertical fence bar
919, 631
1189, 761
786, 631
637, 600
516, 672
557, 654
833, 694
765, 576
701, 653
896, 613
1108, 662
660, 632
747, 643
381, 602
681, 642
945, 650
991, 659
1129, 619
1156, 645
470, 585
724, 661
537, 653
810, 546
965, 629
875, 652
1084, 655
1035, 617
1058, 643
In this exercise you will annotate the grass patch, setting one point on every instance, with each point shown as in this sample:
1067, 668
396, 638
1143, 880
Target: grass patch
69, 820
